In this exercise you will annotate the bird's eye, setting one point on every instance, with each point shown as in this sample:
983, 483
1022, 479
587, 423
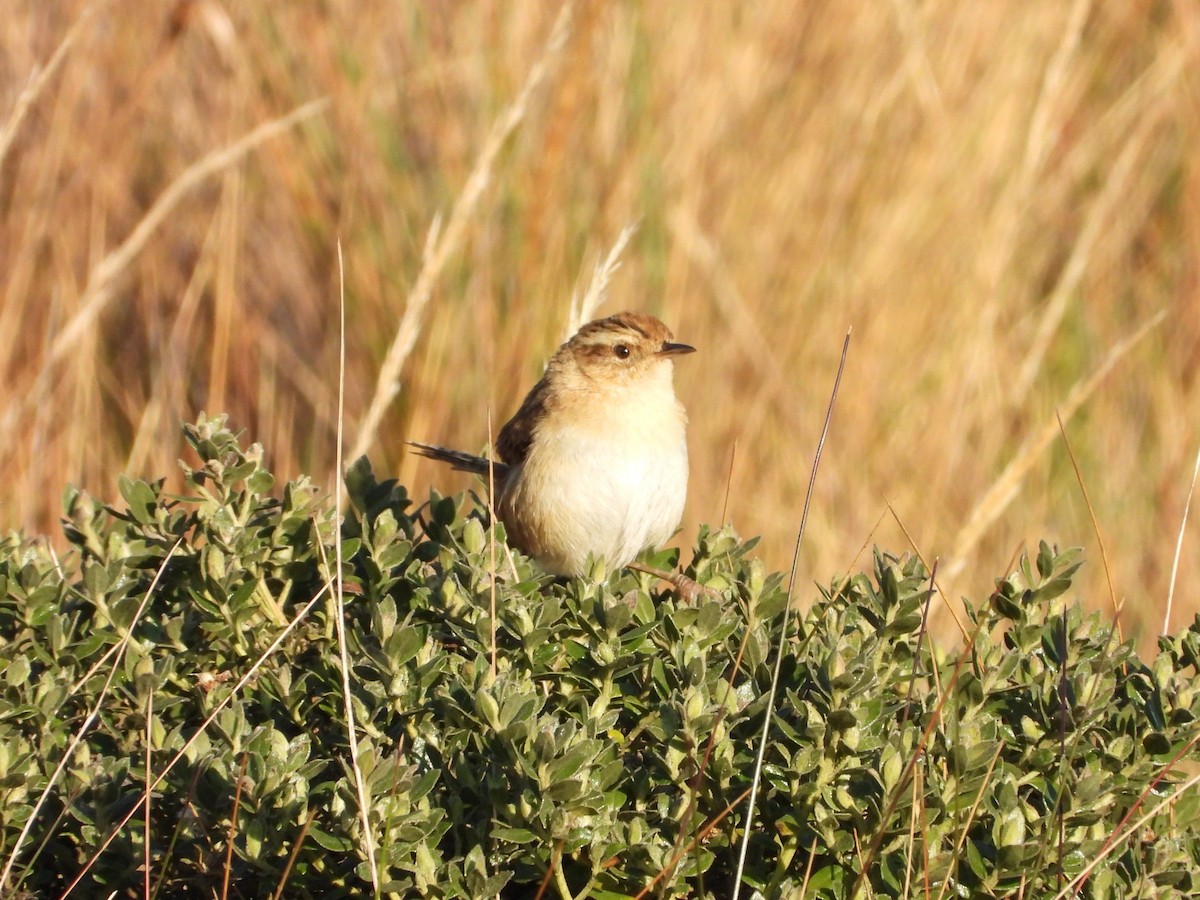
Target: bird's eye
621, 351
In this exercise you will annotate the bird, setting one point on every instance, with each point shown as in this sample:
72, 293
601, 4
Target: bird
595, 461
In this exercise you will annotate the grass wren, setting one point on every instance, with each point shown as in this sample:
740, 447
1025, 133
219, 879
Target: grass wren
595, 460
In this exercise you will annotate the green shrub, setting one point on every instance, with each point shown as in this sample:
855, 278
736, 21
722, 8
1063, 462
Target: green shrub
618, 726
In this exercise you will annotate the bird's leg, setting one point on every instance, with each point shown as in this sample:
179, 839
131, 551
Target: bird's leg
689, 590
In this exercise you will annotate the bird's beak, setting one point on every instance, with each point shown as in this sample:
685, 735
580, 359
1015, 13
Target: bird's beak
670, 349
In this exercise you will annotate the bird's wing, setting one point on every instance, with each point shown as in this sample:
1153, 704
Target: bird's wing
517, 434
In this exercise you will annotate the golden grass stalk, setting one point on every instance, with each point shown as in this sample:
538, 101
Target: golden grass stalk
38, 82
85, 726
101, 281
1117, 841
115, 830
769, 713
1087, 501
1006, 487
441, 244
1187, 507
337, 595
584, 306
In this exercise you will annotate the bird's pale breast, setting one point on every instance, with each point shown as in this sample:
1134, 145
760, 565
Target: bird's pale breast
608, 481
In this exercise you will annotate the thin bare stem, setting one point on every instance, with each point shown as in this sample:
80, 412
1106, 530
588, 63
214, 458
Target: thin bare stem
1087, 501
38, 82
146, 841
442, 244
339, 597
1118, 840
1005, 488
700, 835
768, 716
102, 279
1187, 508
233, 817
583, 308
912, 543
554, 858
728, 483
962, 835
187, 745
491, 507
291, 860
83, 729
910, 767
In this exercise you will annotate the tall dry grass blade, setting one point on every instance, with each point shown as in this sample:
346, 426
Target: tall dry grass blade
1071, 890
739, 315
962, 628
491, 508
101, 280
918, 755
38, 82
1087, 501
232, 833
93, 713
769, 713
146, 840
583, 307
700, 836
1187, 508
187, 745
1040, 137
808, 866
728, 482
962, 834
440, 247
1105, 207
291, 860
916, 59
1005, 488
338, 597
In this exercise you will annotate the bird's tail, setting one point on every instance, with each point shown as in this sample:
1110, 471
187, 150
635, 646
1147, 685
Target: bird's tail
464, 462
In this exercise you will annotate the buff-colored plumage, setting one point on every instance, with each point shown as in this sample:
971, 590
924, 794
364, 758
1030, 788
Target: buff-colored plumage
595, 460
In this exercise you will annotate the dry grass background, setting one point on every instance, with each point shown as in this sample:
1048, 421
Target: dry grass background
993, 195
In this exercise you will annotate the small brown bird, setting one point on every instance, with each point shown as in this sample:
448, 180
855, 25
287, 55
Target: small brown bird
595, 460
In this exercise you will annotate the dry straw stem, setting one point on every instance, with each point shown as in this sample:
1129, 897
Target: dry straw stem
1187, 508
1087, 501
962, 834
946, 604
700, 836
338, 597
300, 616
37, 83
69, 753
149, 739
917, 756
291, 860
769, 713
583, 307
232, 833
1115, 193
1005, 488
441, 244
739, 317
1118, 840
99, 289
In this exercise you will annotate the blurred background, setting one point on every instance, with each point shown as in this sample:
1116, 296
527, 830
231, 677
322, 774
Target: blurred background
1001, 199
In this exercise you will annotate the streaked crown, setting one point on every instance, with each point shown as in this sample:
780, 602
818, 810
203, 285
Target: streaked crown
627, 341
